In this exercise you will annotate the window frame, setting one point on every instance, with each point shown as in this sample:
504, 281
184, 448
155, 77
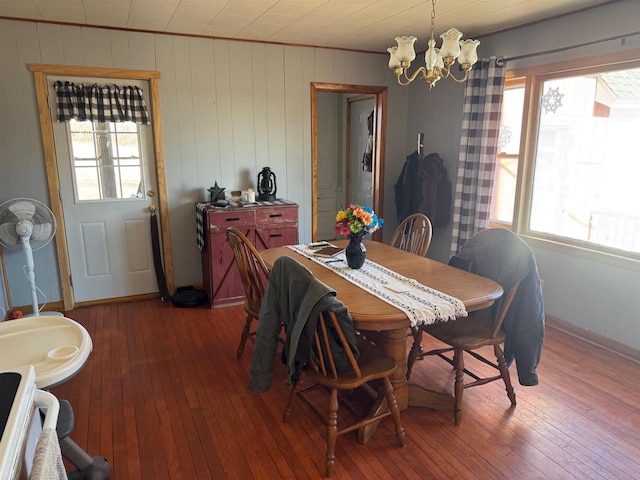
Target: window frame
534, 78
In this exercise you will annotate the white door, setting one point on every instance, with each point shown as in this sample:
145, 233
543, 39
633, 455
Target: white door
329, 164
107, 183
359, 181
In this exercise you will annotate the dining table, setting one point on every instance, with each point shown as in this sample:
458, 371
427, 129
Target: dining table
389, 324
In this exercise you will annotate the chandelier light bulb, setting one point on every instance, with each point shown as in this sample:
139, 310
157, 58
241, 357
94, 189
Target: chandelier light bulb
406, 51
451, 43
393, 58
468, 53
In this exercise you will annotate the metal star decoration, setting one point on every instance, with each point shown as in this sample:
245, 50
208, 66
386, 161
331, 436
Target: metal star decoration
217, 193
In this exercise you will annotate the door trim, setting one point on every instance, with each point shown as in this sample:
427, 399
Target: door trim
40, 73
380, 106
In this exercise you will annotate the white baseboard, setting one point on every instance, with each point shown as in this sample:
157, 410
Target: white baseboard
592, 338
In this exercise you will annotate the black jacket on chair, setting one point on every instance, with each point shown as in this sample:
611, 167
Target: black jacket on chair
504, 257
294, 298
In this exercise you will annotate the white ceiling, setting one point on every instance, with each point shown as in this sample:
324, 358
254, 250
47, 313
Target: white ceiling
369, 25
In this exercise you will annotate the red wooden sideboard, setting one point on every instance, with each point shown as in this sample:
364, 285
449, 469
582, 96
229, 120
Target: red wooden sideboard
266, 225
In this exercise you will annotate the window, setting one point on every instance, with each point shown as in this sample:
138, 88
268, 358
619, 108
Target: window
106, 160
586, 165
581, 161
505, 178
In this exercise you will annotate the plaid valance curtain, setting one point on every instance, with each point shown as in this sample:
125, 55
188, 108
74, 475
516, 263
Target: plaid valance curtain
100, 103
478, 151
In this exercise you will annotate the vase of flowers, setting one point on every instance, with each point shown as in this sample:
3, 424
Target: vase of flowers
356, 221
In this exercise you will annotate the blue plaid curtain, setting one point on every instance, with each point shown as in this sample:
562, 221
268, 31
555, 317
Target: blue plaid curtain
478, 150
106, 103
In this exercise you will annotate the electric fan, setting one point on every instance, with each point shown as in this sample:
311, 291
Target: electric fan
27, 224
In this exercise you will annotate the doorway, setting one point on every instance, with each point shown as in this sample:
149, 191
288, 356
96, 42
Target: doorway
360, 158
333, 171
63, 246
107, 184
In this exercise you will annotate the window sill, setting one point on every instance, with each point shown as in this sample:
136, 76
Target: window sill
583, 253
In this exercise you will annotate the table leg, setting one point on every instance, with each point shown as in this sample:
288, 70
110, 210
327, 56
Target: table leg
394, 343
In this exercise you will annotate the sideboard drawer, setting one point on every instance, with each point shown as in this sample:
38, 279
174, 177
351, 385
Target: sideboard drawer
269, 216
222, 220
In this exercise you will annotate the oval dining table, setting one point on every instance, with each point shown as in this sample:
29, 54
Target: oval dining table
372, 314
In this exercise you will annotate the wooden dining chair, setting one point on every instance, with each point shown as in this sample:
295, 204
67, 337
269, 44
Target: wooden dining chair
321, 372
254, 275
480, 329
413, 234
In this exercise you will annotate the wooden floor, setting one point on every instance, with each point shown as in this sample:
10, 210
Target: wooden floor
164, 397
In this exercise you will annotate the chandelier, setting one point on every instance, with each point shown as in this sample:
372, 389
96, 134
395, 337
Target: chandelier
438, 61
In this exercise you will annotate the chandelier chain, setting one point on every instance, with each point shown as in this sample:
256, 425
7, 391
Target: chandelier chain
433, 17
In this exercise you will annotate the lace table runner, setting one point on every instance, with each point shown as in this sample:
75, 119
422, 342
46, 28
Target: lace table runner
421, 304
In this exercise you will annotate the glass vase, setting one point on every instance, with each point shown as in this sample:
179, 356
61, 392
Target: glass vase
355, 251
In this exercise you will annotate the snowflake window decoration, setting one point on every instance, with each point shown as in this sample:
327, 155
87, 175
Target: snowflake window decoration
552, 100
504, 137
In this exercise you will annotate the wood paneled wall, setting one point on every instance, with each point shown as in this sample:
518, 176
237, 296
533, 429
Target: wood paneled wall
228, 109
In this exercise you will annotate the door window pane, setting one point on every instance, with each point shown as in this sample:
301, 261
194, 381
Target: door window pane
130, 181
87, 179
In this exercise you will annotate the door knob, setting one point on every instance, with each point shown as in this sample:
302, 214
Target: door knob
152, 208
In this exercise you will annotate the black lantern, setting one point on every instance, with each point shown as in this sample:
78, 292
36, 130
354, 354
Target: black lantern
266, 185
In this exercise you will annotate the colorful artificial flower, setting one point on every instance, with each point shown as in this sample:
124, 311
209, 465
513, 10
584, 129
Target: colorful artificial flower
357, 220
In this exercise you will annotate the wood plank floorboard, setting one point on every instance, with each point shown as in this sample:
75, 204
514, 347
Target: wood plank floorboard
163, 396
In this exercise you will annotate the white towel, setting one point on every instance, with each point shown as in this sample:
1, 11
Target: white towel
47, 462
